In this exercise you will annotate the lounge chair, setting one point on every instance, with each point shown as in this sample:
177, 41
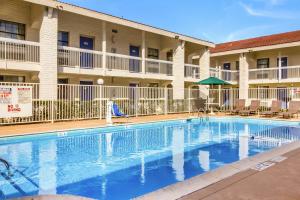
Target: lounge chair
253, 109
240, 105
200, 106
275, 109
116, 111
294, 107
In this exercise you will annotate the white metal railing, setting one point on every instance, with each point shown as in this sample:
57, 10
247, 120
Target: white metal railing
227, 75
290, 72
230, 75
19, 50
191, 71
123, 62
159, 67
214, 72
74, 102
264, 74
80, 58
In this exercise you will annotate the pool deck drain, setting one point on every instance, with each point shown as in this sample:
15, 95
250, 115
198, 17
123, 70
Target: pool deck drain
190, 187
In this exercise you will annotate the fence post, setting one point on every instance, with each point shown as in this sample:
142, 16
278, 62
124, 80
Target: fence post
189, 99
166, 101
52, 110
231, 95
136, 101
5, 52
100, 101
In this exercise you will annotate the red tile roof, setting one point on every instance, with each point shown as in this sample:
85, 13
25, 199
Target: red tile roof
269, 40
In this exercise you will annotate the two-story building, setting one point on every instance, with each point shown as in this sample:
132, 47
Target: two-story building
50, 42
264, 62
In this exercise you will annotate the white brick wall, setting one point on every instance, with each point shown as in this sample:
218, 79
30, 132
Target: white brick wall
178, 71
48, 54
204, 63
244, 76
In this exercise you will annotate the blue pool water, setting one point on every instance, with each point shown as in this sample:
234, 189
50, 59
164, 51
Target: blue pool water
128, 161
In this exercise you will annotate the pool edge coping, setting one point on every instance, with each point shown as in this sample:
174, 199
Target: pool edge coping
135, 123
181, 189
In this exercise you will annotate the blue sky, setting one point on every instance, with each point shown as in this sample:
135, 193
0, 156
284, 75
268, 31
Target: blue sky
214, 20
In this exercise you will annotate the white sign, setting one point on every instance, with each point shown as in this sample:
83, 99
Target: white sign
15, 101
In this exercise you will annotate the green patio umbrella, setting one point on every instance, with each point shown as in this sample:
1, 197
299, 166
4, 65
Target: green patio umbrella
213, 81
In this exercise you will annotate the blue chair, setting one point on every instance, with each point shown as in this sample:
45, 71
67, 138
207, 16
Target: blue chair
116, 111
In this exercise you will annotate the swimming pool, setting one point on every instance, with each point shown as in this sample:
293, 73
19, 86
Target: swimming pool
123, 162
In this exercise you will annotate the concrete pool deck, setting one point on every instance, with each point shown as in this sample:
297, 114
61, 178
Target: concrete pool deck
233, 181
227, 179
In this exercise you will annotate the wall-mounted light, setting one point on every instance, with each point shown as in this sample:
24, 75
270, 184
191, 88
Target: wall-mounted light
60, 7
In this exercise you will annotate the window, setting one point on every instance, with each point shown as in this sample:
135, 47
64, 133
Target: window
237, 65
11, 78
12, 30
170, 55
113, 50
63, 81
153, 85
63, 38
262, 63
153, 53
226, 66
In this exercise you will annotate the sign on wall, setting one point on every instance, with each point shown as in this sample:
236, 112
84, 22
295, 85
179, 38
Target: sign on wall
15, 101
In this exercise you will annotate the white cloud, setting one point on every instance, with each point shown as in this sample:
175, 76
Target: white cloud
269, 13
272, 2
248, 32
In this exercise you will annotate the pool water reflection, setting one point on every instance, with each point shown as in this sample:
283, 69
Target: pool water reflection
126, 162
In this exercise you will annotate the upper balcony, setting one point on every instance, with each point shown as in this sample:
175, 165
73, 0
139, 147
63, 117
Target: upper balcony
274, 75
191, 72
19, 54
232, 76
76, 60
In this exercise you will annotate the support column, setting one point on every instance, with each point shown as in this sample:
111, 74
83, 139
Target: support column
204, 63
104, 45
244, 77
279, 67
48, 54
143, 52
178, 71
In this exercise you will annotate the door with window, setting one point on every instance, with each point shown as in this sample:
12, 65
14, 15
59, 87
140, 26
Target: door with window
86, 59
63, 89
86, 90
226, 96
170, 66
263, 63
133, 96
284, 64
282, 95
227, 68
134, 64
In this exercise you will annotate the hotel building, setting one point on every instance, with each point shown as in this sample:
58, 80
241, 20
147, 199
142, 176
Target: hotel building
49, 42
264, 62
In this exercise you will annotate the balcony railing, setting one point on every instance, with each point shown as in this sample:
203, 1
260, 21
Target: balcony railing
75, 57
263, 74
19, 50
227, 75
275, 74
191, 71
123, 62
159, 67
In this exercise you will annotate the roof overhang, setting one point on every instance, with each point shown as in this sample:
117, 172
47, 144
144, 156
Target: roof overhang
117, 20
262, 48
